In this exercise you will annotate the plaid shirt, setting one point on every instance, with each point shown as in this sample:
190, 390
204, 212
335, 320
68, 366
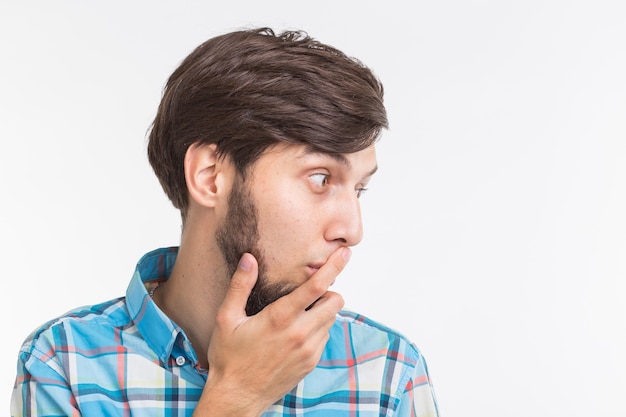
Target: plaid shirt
126, 357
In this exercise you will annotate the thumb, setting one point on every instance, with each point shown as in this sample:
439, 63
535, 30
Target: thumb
241, 284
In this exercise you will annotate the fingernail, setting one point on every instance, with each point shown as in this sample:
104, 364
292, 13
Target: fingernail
346, 253
245, 263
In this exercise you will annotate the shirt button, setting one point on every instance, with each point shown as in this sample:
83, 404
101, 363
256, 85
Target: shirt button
180, 361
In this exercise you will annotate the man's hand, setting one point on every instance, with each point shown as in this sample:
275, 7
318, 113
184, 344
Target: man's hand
254, 361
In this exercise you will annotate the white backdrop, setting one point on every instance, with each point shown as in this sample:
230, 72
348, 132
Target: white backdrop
495, 229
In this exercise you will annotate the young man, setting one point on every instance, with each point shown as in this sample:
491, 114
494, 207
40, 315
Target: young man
265, 143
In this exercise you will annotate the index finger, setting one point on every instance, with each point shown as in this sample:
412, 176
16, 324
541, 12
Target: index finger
241, 284
316, 286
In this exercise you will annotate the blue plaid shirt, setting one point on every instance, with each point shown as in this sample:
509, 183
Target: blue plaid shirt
126, 357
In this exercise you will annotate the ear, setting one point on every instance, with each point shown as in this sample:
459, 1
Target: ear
204, 174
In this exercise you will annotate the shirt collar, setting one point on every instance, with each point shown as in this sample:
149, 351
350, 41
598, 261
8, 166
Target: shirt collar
158, 330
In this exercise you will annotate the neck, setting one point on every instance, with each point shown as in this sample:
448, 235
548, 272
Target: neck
195, 290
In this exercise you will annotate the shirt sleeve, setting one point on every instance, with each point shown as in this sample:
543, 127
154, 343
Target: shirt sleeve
40, 390
418, 398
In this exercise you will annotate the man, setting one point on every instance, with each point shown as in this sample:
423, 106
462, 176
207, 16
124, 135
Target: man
265, 143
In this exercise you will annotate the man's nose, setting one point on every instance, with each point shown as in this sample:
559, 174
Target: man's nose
345, 223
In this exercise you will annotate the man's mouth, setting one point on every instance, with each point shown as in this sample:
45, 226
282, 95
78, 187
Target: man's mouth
313, 268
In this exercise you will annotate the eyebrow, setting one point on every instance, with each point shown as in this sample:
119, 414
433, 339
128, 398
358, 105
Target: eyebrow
343, 161
371, 172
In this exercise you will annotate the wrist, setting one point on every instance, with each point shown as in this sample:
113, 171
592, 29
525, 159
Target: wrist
218, 400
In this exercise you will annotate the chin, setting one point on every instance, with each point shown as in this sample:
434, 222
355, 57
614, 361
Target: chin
264, 294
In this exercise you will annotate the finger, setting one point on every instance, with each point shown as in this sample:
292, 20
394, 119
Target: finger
314, 288
240, 286
325, 309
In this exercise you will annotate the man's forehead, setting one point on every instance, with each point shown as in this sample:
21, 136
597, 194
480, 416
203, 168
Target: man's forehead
303, 150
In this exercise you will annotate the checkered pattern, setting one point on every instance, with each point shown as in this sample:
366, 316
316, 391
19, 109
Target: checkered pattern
125, 357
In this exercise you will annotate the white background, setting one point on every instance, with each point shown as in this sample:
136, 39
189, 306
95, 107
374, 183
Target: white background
495, 229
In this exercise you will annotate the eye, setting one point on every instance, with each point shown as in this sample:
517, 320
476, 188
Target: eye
320, 179
360, 191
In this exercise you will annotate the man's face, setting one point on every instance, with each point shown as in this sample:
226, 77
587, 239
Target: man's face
294, 209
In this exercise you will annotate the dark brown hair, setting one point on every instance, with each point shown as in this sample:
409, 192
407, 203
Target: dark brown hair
248, 90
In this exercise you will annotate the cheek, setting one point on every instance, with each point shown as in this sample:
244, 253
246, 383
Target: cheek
285, 228
283, 220
289, 217
283, 208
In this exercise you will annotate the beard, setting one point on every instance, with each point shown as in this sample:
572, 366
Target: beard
238, 234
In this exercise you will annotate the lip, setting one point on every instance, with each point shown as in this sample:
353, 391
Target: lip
313, 268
